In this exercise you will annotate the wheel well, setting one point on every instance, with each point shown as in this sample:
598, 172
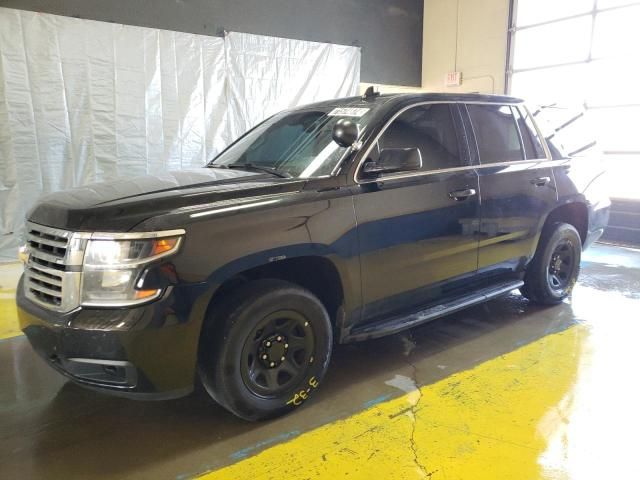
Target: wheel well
316, 274
575, 214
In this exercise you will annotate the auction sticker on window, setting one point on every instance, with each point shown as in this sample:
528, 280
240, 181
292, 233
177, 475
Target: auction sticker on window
348, 112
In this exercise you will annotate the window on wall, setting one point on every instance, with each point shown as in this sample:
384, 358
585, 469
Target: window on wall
583, 54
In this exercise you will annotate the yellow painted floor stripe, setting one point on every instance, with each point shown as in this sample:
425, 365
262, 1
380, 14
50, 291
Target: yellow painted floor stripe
495, 421
8, 314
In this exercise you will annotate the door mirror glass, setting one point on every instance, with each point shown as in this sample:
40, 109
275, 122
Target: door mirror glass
395, 160
345, 132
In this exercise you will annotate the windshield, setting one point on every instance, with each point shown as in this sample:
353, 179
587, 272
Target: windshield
293, 144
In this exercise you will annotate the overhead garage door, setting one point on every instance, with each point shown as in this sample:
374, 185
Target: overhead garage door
584, 52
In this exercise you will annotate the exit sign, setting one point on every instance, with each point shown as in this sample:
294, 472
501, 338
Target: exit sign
453, 79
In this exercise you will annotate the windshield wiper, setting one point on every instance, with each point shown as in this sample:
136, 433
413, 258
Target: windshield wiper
259, 168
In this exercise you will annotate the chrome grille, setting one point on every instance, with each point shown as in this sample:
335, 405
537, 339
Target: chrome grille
50, 246
45, 285
52, 271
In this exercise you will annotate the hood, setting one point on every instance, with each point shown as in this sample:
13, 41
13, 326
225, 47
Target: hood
119, 205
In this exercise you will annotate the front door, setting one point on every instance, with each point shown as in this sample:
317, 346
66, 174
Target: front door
416, 230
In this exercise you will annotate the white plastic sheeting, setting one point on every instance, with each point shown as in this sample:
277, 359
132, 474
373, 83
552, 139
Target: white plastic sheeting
84, 101
267, 75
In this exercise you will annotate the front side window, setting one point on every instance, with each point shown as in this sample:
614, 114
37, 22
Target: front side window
429, 128
496, 133
293, 144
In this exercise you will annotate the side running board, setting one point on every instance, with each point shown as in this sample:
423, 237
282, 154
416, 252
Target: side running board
399, 323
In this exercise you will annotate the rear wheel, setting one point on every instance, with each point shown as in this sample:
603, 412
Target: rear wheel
266, 350
554, 270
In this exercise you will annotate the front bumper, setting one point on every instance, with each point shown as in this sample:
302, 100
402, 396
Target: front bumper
147, 352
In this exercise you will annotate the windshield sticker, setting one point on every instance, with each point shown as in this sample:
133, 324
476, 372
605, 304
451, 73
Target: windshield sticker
348, 112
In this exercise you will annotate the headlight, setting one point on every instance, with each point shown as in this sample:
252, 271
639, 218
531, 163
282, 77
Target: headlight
113, 269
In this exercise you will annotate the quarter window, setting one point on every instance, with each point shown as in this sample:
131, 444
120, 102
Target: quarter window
429, 128
532, 146
496, 133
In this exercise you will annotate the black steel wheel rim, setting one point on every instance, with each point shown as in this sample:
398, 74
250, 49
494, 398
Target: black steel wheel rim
561, 266
277, 353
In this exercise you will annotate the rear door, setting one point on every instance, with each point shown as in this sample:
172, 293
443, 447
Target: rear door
416, 229
516, 184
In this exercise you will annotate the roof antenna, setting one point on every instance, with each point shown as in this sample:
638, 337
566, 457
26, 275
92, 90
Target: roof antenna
370, 92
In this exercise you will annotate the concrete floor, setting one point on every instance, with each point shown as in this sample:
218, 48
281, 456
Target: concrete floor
503, 390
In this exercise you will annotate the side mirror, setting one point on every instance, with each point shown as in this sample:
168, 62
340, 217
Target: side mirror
395, 160
345, 132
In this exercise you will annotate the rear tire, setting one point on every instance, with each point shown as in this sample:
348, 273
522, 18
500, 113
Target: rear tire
553, 272
266, 350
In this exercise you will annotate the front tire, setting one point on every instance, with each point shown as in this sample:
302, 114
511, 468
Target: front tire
553, 272
266, 350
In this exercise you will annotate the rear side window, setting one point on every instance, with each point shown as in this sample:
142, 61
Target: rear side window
496, 133
429, 128
532, 146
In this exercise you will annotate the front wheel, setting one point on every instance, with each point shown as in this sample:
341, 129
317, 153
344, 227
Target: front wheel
554, 270
266, 350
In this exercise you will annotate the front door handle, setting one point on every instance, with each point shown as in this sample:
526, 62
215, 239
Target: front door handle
540, 181
460, 195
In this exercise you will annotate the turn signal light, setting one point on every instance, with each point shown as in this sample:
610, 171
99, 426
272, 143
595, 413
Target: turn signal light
142, 294
162, 245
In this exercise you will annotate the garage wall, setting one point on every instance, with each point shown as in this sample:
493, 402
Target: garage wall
469, 36
624, 222
388, 31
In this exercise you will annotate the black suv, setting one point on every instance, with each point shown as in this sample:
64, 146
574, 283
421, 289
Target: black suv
338, 221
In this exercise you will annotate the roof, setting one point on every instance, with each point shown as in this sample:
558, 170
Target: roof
404, 98
455, 97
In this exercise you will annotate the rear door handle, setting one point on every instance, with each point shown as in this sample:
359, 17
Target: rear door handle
460, 195
540, 181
